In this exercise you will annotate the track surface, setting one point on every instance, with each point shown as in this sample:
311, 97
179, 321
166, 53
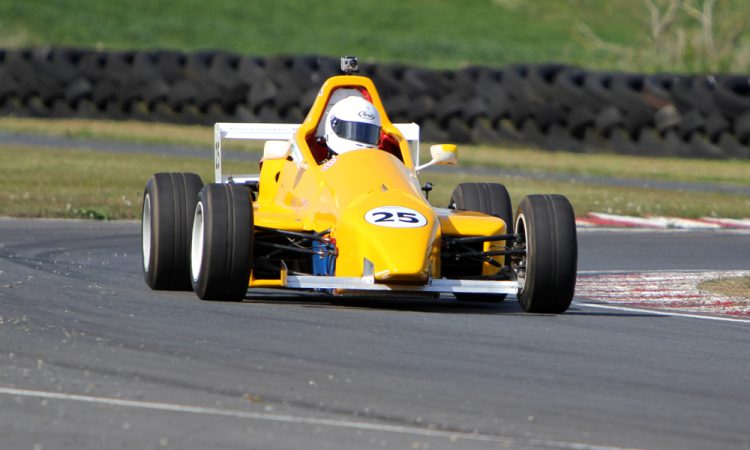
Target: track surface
91, 359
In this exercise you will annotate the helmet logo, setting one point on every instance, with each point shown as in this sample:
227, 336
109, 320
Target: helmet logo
366, 115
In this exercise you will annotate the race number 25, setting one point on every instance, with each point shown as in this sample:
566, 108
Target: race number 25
395, 217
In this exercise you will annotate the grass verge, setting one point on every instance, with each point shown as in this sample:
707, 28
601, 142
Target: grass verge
611, 165
525, 159
38, 182
81, 184
733, 287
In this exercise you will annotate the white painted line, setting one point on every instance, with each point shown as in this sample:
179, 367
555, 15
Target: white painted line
657, 272
585, 223
660, 313
367, 426
677, 222
636, 230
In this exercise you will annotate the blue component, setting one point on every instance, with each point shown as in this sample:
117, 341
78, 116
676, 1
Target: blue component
324, 259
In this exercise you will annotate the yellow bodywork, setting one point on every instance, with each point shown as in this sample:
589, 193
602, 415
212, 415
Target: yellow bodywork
301, 194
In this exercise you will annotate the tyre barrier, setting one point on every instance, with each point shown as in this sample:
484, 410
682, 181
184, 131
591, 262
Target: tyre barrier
551, 106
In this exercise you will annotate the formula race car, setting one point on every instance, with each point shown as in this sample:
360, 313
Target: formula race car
338, 208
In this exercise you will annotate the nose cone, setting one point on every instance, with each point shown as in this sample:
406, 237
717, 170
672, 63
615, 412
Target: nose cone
382, 217
394, 232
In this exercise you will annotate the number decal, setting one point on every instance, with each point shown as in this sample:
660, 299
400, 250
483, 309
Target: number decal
408, 217
395, 217
386, 216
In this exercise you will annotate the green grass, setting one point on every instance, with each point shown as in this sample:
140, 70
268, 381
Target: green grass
610, 165
511, 158
81, 184
432, 32
38, 182
435, 33
95, 184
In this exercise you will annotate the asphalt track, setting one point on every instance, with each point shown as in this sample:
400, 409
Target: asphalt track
92, 359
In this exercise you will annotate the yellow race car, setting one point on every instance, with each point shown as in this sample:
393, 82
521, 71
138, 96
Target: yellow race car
338, 207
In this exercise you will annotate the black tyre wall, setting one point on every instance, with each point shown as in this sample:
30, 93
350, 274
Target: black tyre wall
551, 106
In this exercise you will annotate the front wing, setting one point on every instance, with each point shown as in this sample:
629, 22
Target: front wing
441, 285
368, 284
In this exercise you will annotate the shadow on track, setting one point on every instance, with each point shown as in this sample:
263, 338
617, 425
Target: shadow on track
443, 305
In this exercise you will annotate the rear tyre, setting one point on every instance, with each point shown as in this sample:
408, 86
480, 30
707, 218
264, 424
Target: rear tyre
545, 225
222, 243
491, 199
166, 221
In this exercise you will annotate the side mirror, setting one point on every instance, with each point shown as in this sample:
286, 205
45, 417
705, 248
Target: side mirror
443, 154
276, 150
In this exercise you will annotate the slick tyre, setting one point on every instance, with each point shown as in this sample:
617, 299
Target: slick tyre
166, 222
221, 254
491, 199
545, 225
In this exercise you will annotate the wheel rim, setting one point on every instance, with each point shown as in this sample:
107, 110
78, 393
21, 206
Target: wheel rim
196, 246
146, 232
521, 266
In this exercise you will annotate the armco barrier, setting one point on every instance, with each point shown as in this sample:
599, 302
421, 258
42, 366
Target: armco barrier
552, 106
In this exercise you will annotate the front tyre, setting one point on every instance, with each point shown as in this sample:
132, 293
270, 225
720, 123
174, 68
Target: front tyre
166, 220
545, 226
221, 254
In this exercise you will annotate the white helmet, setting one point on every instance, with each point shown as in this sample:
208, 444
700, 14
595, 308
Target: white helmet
352, 123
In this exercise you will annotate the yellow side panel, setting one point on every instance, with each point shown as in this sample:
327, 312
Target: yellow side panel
469, 223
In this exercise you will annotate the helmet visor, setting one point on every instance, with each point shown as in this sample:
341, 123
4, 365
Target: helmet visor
356, 131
